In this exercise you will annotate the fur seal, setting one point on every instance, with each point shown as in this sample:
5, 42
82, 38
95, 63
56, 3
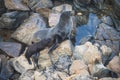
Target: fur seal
55, 36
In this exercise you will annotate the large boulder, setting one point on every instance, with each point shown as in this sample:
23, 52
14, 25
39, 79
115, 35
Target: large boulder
27, 29
65, 48
79, 67
87, 52
12, 20
12, 49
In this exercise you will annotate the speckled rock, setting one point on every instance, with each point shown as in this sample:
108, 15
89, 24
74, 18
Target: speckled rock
65, 48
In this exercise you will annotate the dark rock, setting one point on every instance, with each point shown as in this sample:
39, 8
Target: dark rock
7, 71
109, 36
12, 49
105, 73
2, 7
107, 20
89, 29
12, 20
82, 19
88, 5
107, 32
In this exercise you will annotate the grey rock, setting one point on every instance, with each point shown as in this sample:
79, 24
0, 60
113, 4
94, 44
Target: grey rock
107, 20
12, 20
33, 4
107, 33
63, 63
105, 73
27, 29
55, 75
7, 70
12, 49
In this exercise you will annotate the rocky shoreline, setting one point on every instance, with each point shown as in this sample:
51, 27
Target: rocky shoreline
91, 53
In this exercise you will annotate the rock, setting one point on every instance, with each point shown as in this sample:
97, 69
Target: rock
107, 33
54, 19
12, 20
114, 45
54, 16
39, 75
108, 36
2, 7
55, 75
44, 11
109, 78
28, 75
79, 77
106, 54
33, 4
63, 63
106, 50
80, 5
16, 5
100, 71
114, 64
62, 8
27, 29
65, 48
79, 67
87, 52
7, 70
107, 20
12, 49
21, 64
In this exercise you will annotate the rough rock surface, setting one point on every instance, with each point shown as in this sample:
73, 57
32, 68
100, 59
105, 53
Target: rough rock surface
114, 64
65, 48
85, 52
21, 64
12, 49
27, 29
79, 67
108, 36
16, 5
12, 20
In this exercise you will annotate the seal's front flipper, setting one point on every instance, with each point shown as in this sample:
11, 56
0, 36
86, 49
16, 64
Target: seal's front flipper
35, 59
